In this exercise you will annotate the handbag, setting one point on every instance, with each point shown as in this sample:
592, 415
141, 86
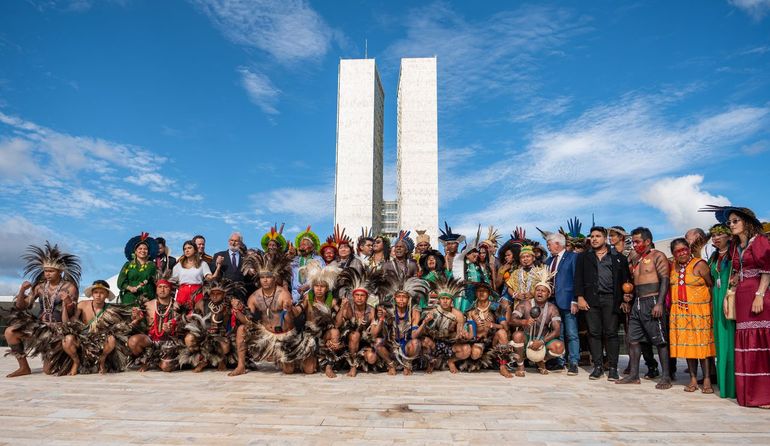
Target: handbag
729, 302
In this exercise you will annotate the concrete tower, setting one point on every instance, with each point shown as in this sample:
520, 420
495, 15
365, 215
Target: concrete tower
417, 165
358, 179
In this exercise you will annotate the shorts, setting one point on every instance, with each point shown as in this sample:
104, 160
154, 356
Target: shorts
642, 327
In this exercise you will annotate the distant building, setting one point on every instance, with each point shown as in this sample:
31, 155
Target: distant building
390, 218
417, 141
358, 179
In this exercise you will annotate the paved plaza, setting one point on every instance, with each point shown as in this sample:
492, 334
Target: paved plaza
265, 407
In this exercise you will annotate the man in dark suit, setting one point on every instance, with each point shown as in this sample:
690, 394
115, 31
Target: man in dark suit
599, 277
562, 263
232, 259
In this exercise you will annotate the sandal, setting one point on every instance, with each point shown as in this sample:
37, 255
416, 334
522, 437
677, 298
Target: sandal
691, 388
707, 390
543, 370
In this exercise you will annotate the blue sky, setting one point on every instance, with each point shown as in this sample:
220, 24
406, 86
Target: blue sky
207, 116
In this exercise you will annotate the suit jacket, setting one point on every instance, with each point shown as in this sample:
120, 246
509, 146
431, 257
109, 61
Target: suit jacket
228, 270
587, 277
565, 272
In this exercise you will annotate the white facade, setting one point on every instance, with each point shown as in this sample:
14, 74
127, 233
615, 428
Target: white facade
417, 165
358, 179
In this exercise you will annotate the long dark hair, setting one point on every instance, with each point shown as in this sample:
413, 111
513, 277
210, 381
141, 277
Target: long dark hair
196, 256
752, 229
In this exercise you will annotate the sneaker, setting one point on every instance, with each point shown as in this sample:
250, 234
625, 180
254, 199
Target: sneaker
597, 373
572, 370
612, 375
652, 373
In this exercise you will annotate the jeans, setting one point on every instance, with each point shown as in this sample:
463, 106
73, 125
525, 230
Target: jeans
569, 335
603, 323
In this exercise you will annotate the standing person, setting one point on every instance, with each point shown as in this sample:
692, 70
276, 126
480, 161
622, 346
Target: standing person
232, 260
365, 246
402, 265
136, 280
55, 275
164, 262
599, 277
200, 246
620, 242
380, 253
308, 245
273, 242
345, 257
190, 272
720, 264
562, 264
698, 241
648, 313
690, 320
422, 244
751, 276
451, 243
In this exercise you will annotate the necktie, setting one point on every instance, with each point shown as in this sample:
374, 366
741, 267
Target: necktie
554, 262
234, 261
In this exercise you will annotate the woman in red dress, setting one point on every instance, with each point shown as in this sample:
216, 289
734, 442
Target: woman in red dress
751, 277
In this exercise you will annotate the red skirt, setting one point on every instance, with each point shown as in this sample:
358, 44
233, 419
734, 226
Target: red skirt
186, 291
752, 347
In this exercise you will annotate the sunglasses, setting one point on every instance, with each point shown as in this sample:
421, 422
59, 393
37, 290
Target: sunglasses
734, 221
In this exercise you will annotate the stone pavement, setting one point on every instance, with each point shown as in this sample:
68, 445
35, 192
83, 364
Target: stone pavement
265, 407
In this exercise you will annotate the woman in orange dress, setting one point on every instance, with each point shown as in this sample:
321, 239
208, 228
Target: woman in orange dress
691, 329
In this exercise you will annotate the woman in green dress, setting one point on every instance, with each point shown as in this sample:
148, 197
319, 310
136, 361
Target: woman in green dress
137, 277
724, 329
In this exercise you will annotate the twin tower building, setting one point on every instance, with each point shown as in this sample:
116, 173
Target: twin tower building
359, 177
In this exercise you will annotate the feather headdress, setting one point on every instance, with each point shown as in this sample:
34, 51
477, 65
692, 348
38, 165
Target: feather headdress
448, 287
39, 259
422, 237
573, 235
313, 271
376, 285
340, 238
448, 236
543, 277
403, 236
414, 287
310, 235
256, 264
493, 239
227, 286
723, 212
275, 235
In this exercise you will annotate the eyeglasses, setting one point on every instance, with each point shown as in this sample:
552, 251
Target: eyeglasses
734, 221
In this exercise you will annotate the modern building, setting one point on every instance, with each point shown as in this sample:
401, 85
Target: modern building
417, 141
358, 179
390, 218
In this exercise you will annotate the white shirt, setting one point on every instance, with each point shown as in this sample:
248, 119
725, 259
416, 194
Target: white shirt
191, 276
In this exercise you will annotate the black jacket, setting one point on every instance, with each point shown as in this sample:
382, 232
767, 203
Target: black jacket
587, 277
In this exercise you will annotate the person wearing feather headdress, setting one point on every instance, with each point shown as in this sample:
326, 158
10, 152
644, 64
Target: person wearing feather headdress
357, 321
55, 275
576, 241
308, 245
402, 265
158, 342
533, 317
487, 260
273, 242
400, 337
316, 308
521, 283
441, 332
267, 318
454, 257
422, 244
345, 257
209, 329
102, 329
136, 280
490, 324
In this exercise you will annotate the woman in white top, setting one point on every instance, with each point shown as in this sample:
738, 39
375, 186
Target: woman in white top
190, 272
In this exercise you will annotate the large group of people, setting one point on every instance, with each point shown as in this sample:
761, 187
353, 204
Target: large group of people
401, 305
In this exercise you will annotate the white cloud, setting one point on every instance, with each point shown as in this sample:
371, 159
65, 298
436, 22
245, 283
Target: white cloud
88, 170
16, 233
634, 138
311, 204
15, 158
679, 199
756, 9
288, 30
261, 90
486, 57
